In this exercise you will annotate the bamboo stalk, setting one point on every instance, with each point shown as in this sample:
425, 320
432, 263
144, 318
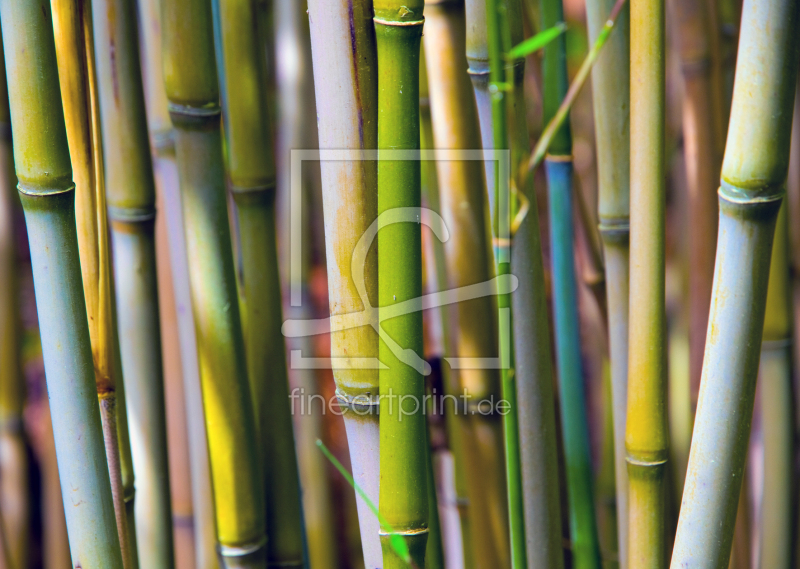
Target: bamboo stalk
464, 207
611, 99
775, 529
646, 435
131, 206
703, 159
456, 427
202, 528
403, 497
42, 160
297, 129
345, 82
192, 90
753, 178
251, 171
76, 67
532, 371
574, 422
14, 469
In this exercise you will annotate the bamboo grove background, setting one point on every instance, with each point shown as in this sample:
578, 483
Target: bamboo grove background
642, 249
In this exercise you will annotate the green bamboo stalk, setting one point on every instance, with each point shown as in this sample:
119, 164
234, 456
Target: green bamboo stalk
203, 527
753, 179
297, 129
646, 435
611, 100
464, 207
192, 90
14, 494
42, 160
403, 497
703, 160
775, 529
131, 208
574, 422
76, 68
251, 172
532, 370
345, 82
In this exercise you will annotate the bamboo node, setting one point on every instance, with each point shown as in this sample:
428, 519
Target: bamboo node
241, 554
403, 532
399, 24
746, 196
268, 186
558, 157
776, 345
362, 404
647, 463
131, 214
41, 190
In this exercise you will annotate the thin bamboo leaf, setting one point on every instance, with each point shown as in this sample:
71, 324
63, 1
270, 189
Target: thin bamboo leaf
537, 42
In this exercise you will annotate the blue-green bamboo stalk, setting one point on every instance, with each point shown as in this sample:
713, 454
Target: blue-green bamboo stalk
47, 193
574, 423
752, 188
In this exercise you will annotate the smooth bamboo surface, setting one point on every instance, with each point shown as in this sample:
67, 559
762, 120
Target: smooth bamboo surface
14, 469
611, 99
42, 158
131, 205
403, 495
533, 373
345, 82
193, 522
753, 179
574, 422
646, 435
251, 172
468, 260
703, 155
192, 90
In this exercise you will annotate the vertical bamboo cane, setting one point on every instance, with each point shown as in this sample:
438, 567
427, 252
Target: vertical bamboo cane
703, 160
251, 171
646, 435
533, 374
192, 89
14, 494
775, 529
41, 155
131, 204
201, 512
753, 178
76, 68
403, 498
345, 82
464, 207
611, 99
574, 422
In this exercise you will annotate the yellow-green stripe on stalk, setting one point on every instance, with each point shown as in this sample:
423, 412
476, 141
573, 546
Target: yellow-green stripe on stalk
646, 434
611, 99
531, 335
42, 158
468, 261
403, 496
752, 189
131, 209
167, 184
345, 83
77, 76
251, 172
777, 415
193, 93
14, 469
